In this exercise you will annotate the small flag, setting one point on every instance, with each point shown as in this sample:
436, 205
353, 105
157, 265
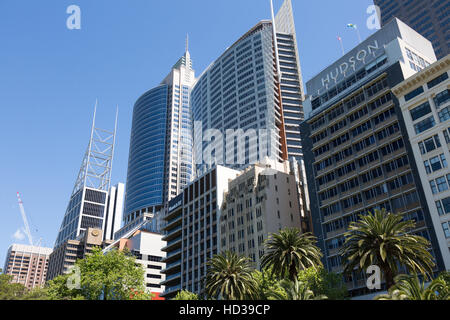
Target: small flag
339, 38
351, 25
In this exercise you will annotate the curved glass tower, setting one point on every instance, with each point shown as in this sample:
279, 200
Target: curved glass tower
147, 149
160, 162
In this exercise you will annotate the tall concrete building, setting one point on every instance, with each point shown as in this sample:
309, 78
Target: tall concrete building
262, 200
425, 103
247, 105
160, 161
27, 264
428, 17
192, 231
226, 209
361, 158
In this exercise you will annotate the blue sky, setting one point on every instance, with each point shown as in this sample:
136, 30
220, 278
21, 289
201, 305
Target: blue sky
50, 77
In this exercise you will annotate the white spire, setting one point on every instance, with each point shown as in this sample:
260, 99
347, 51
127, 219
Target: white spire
187, 42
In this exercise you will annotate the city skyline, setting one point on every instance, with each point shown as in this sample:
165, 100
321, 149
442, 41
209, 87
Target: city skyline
80, 102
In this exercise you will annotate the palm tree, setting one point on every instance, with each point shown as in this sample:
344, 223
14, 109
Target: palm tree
294, 290
382, 239
289, 252
230, 277
410, 288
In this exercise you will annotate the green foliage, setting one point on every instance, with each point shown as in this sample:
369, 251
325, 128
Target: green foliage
410, 288
324, 283
114, 275
186, 295
288, 252
266, 284
10, 291
294, 290
229, 277
111, 276
382, 239
57, 289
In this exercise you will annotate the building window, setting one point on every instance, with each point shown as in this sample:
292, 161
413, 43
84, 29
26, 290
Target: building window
441, 98
444, 114
429, 144
414, 93
424, 125
427, 166
437, 80
447, 137
441, 184
420, 111
443, 206
446, 228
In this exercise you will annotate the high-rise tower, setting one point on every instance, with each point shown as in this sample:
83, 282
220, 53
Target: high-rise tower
247, 105
88, 205
160, 160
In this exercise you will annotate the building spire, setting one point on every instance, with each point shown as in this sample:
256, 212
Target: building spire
187, 42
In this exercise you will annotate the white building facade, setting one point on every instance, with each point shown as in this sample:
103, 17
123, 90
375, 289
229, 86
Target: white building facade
425, 103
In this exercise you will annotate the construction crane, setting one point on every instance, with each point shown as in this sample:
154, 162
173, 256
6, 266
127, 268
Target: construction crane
25, 220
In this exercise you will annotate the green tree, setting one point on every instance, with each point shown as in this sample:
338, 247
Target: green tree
111, 276
294, 290
186, 295
408, 287
266, 284
230, 277
382, 239
288, 252
324, 283
58, 289
10, 290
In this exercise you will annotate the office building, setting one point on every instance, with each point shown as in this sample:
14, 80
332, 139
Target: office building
114, 211
65, 255
429, 18
262, 200
160, 162
360, 156
247, 105
27, 264
146, 247
173, 235
93, 204
425, 102
191, 231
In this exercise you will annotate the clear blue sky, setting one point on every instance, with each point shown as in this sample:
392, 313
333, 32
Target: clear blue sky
50, 77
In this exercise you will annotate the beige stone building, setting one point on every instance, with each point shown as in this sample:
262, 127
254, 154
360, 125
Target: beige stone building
425, 102
262, 200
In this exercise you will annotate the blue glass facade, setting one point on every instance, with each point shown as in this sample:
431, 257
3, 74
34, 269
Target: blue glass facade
145, 180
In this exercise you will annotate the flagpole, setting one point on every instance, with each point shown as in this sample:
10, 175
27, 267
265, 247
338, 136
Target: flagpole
354, 26
342, 45
359, 35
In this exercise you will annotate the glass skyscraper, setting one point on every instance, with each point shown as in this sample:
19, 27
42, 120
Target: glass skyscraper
160, 159
429, 18
254, 86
